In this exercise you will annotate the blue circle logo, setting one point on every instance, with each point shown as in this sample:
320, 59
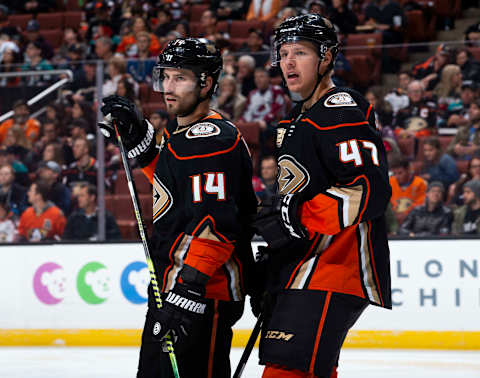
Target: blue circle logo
134, 282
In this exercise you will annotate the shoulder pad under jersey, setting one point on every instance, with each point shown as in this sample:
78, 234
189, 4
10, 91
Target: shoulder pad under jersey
205, 138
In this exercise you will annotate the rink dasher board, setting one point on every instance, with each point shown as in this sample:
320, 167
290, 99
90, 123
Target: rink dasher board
95, 294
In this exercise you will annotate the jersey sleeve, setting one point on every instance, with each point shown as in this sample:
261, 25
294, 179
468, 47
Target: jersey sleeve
359, 190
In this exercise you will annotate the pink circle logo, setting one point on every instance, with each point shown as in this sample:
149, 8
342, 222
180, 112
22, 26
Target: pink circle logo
49, 283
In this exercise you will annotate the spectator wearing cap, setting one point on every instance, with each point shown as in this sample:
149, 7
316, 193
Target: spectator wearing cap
42, 221
467, 217
83, 169
82, 224
429, 71
255, 47
438, 166
21, 117
432, 218
263, 10
70, 45
49, 172
35, 62
467, 139
469, 66
408, 189
317, 7
32, 34
84, 83
5, 27
229, 9
100, 24
419, 118
8, 230
458, 111
14, 193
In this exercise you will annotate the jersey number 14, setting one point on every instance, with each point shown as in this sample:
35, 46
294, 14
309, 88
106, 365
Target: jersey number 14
214, 183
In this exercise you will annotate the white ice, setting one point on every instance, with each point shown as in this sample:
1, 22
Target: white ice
70, 362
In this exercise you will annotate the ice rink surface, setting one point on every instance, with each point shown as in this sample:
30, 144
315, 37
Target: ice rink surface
71, 362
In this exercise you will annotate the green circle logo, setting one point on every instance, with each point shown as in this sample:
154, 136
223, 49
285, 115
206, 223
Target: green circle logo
94, 283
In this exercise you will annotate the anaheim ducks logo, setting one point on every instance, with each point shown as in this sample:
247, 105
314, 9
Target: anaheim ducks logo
339, 99
293, 176
403, 204
202, 130
162, 199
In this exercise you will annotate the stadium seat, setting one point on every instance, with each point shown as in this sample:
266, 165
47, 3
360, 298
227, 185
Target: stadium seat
128, 229
72, 5
20, 20
49, 21
223, 27
237, 43
416, 31
364, 44
363, 70
54, 37
195, 29
196, 11
73, 19
141, 182
239, 28
155, 96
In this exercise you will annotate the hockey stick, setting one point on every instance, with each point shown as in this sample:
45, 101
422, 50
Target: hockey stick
248, 349
167, 345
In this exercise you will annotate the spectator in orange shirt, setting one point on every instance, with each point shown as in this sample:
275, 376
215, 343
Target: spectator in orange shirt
408, 190
128, 45
21, 114
43, 220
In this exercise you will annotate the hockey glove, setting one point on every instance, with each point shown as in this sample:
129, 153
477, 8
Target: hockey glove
183, 311
138, 135
277, 221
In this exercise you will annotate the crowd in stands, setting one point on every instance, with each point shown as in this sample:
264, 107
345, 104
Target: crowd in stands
430, 120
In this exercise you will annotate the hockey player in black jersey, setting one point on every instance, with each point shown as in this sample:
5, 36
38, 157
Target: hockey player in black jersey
325, 228
203, 204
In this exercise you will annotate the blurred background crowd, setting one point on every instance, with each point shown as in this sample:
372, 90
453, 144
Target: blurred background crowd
417, 62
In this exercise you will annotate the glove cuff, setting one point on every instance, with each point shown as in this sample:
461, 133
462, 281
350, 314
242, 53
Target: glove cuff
145, 150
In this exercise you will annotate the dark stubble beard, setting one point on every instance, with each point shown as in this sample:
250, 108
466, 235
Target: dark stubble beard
186, 108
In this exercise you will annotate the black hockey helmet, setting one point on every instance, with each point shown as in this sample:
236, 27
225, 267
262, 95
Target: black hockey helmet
310, 27
198, 55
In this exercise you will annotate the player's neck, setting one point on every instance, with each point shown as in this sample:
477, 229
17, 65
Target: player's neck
200, 112
325, 85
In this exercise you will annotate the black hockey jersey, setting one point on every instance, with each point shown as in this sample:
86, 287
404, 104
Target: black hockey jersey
203, 204
333, 156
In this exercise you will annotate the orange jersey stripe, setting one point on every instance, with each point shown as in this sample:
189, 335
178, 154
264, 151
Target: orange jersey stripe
377, 281
334, 126
149, 170
319, 331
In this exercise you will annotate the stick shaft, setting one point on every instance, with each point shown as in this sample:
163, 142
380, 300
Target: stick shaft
248, 349
145, 243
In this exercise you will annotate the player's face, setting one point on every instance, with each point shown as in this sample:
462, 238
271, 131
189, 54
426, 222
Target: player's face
299, 63
180, 89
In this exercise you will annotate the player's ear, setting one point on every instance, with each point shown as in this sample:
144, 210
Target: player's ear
327, 58
207, 87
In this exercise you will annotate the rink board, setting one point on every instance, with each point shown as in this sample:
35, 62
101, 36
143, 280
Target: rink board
95, 294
